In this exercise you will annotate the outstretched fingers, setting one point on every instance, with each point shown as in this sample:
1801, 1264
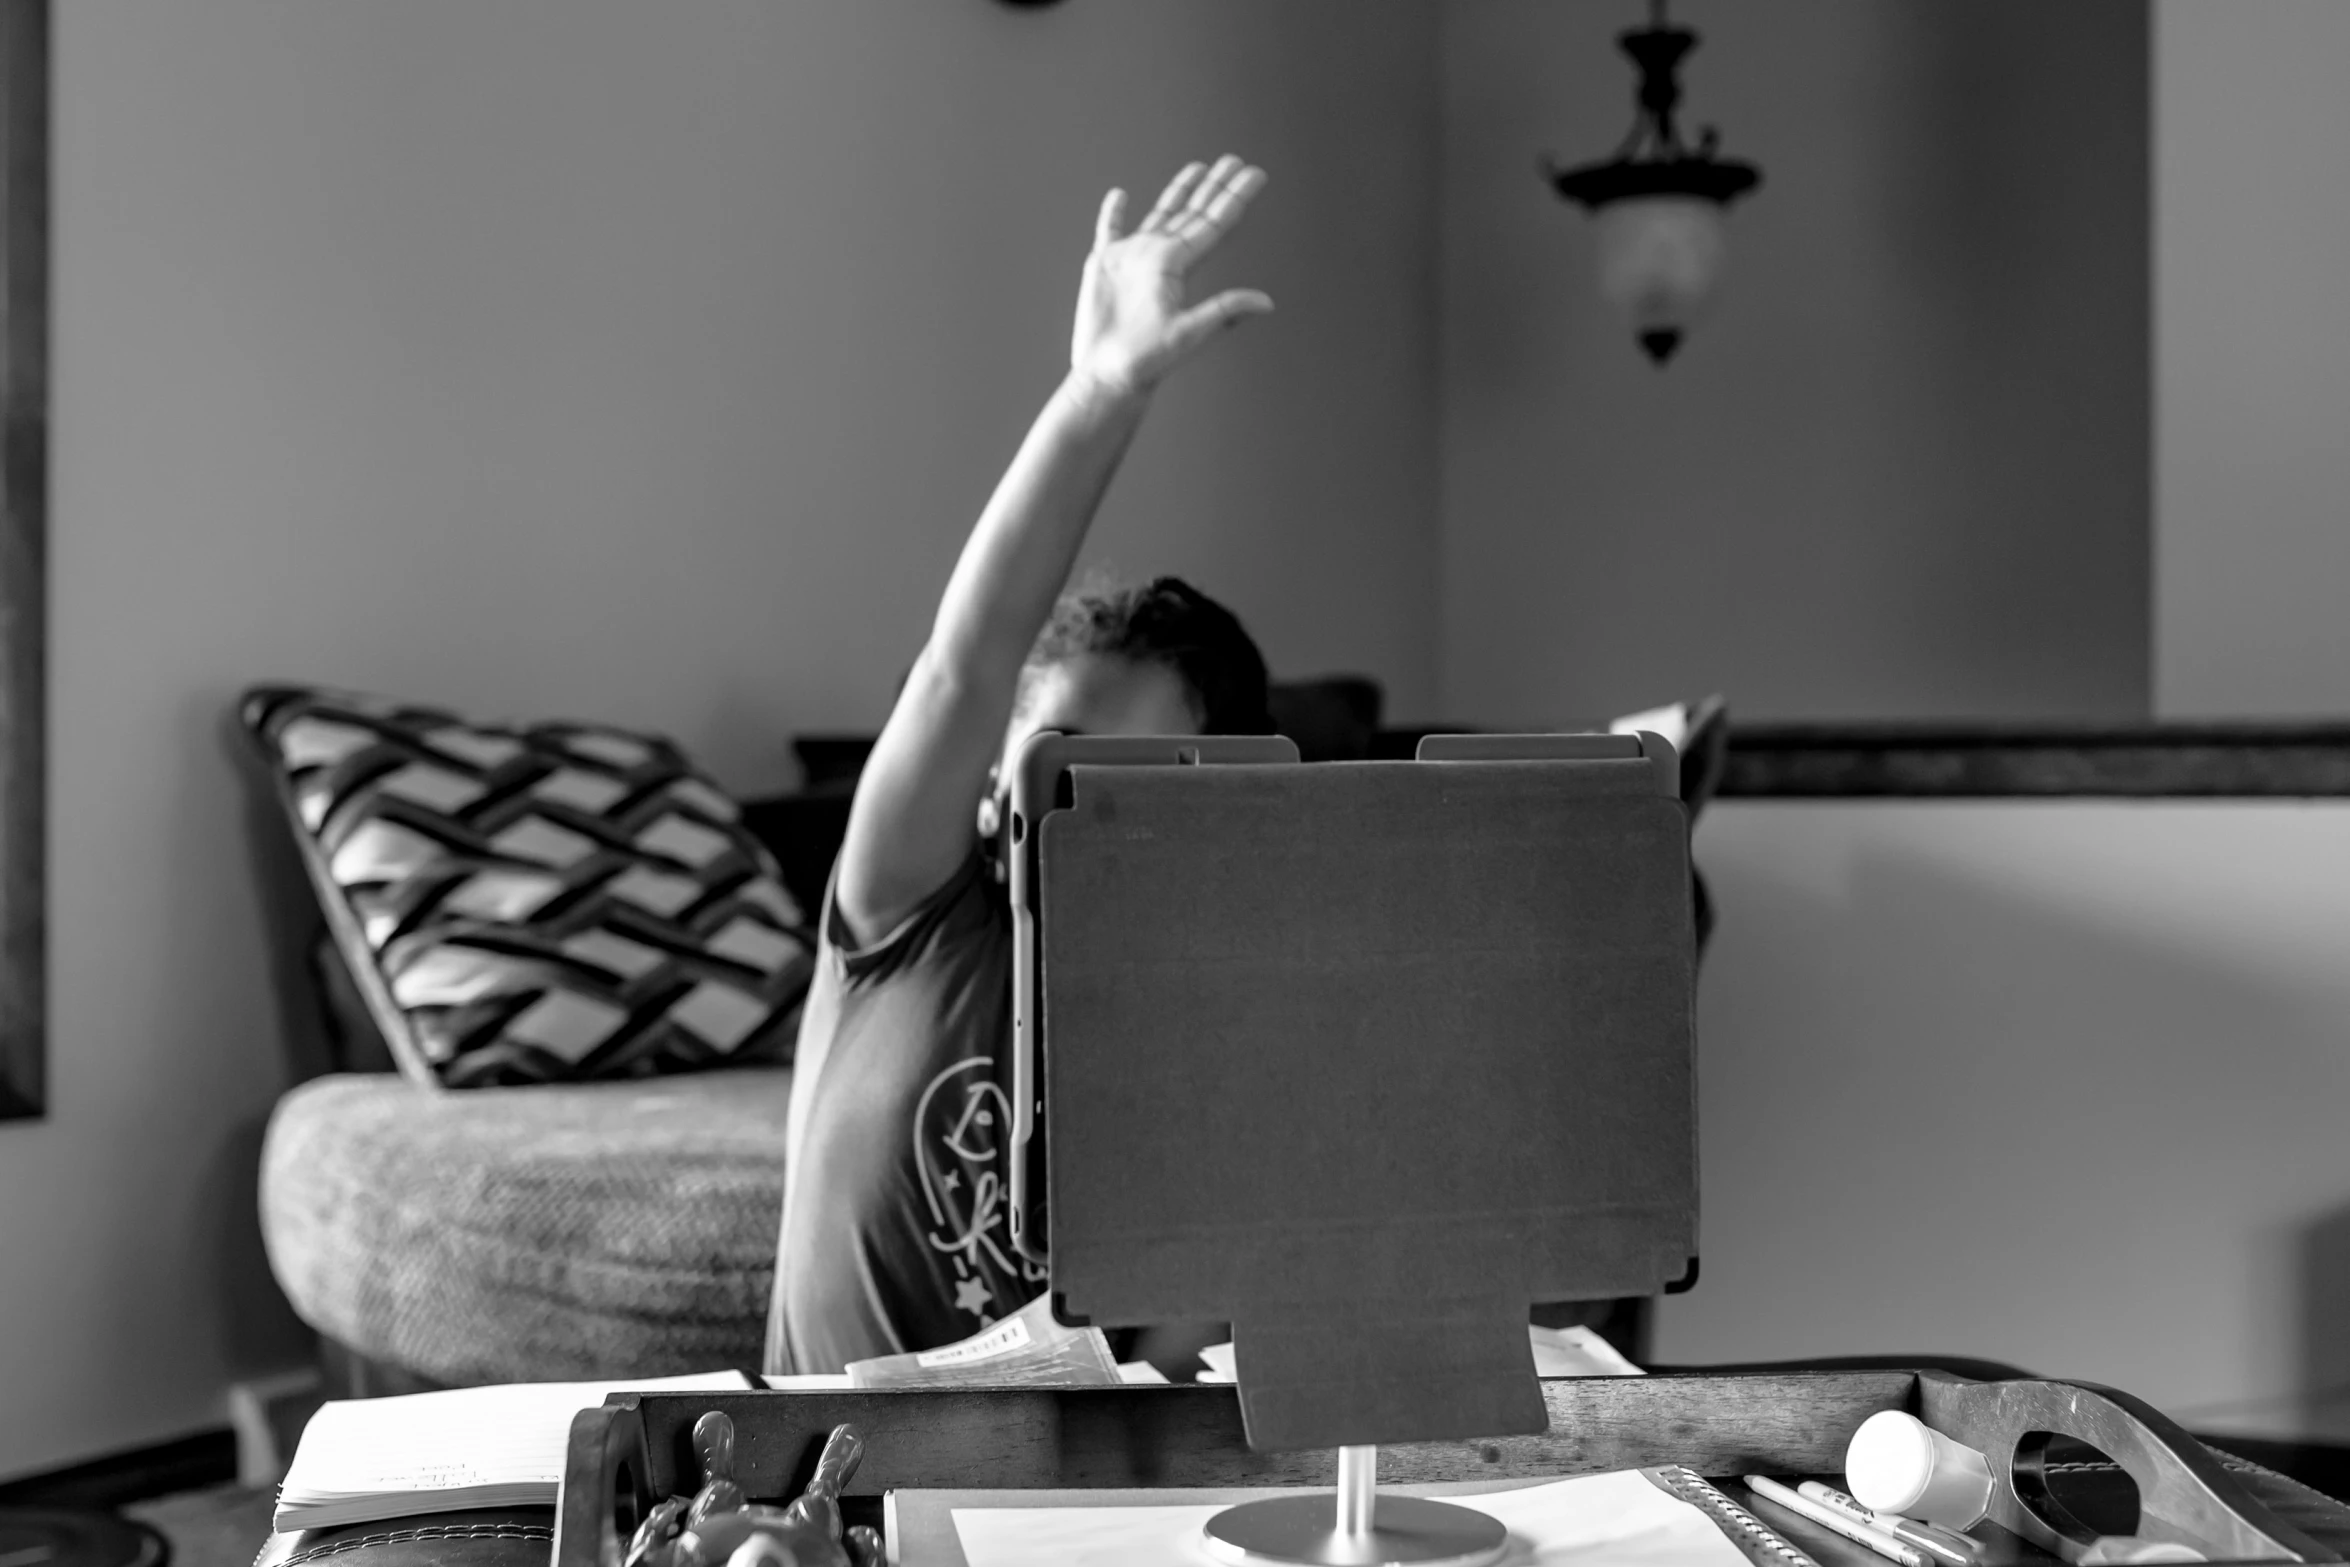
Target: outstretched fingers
1218, 179
1177, 196
1216, 210
1203, 321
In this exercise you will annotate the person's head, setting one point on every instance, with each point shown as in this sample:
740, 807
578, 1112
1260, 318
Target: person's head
1155, 658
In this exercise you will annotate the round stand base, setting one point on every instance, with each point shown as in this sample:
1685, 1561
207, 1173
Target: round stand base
1406, 1531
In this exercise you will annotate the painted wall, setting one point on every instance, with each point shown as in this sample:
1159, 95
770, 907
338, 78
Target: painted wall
1902, 469
644, 362
2252, 357
2074, 1076
2056, 1083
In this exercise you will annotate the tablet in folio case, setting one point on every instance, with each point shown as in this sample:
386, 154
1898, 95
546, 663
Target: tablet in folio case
1364, 1058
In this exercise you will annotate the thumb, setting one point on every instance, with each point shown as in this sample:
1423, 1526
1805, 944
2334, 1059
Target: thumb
1108, 223
1203, 321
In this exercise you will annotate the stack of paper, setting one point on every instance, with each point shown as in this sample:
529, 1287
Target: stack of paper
1621, 1520
365, 1459
1026, 1349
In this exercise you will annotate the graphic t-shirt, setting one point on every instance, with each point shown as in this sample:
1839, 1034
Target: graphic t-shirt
895, 1231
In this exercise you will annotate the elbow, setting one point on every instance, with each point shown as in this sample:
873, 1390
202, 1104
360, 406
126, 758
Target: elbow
959, 693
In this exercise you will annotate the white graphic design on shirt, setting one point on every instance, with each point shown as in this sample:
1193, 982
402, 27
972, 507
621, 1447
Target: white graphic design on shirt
961, 1132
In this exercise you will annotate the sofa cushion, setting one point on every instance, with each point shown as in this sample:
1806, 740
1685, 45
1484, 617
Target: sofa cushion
534, 903
531, 1234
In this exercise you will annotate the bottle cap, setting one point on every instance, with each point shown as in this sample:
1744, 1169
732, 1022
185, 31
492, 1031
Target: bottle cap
1897, 1463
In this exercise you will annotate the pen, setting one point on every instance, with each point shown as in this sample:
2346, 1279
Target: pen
1852, 1529
1956, 1549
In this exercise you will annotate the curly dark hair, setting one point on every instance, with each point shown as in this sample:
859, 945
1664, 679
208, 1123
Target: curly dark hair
1167, 621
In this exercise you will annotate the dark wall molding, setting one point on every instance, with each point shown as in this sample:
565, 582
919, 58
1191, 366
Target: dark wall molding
2010, 760
1929, 760
24, 443
196, 1462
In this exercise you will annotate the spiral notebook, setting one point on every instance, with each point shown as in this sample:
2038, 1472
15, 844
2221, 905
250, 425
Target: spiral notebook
1666, 1517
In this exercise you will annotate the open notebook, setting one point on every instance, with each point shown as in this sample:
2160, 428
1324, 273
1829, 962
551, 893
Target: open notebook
1631, 1518
364, 1459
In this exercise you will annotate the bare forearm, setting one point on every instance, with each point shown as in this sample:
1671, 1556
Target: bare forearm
1026, 541
911, 822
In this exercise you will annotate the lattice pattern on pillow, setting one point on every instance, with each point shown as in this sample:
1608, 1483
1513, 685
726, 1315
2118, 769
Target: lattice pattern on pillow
535, 903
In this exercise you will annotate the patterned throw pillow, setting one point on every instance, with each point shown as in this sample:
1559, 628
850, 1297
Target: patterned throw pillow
540, 903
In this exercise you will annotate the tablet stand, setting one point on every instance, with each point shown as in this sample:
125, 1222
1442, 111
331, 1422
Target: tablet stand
1365, 1059
1364, 1530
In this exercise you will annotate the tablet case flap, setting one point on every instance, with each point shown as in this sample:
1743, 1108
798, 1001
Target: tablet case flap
1391, 1370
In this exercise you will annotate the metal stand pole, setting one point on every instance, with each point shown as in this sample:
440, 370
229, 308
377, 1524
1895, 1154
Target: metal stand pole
1364, 1530
1358, 1490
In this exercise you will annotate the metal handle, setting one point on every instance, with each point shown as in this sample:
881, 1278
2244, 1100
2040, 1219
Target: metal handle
607, 1442
2184, 1496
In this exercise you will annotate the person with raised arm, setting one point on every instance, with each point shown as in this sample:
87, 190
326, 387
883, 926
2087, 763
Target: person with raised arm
895, 1235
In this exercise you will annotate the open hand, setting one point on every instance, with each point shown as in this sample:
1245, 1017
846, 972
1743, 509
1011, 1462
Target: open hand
1132, 323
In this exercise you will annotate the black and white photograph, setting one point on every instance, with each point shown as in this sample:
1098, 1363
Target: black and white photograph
1155, 783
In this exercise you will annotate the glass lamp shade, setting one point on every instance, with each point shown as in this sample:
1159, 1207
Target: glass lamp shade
1659, 257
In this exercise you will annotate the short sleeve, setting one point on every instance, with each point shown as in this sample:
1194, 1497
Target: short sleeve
961, 909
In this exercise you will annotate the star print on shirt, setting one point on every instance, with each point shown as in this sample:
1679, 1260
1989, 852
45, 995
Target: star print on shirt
973, 1297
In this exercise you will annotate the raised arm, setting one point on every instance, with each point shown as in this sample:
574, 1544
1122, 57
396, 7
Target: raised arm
914, 816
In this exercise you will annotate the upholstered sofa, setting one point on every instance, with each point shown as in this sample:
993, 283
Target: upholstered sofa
525, 1234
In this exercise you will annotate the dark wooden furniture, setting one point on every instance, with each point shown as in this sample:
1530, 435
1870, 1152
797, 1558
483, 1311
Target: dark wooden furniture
2015, 759
24, 439
1929, 760
2009, 760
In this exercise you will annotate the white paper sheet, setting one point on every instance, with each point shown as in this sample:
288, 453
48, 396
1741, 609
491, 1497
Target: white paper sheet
1558, 1352
1621, 1519
1577, 1352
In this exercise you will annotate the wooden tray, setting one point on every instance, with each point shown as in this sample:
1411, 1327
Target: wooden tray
637, 1449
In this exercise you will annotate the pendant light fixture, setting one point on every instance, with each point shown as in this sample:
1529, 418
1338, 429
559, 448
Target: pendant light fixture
1658, 202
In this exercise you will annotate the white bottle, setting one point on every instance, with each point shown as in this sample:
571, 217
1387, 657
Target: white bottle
1897, 1463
